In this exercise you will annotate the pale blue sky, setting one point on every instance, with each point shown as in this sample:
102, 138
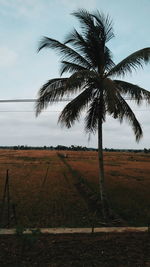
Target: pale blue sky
23, 71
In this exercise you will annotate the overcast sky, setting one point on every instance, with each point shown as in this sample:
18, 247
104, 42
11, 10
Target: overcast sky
23, 71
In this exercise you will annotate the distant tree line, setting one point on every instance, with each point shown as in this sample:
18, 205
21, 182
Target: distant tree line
145, 150
58, 147
73, 148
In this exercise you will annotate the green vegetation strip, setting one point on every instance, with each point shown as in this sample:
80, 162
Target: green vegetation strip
76, 230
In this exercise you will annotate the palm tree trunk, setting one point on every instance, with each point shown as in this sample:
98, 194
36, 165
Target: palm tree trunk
101, 169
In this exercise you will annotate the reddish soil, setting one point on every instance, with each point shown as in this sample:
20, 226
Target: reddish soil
53, 200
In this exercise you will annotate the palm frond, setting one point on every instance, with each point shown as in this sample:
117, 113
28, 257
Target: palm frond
51, 91
75, 38
70, 67
80, 43
72, 110
66, 52
125, 112
118, 107
104, 23
95, 112
133, 91
51, 85
85, 19
109, 64
96, 31
110, 97
55, 89
132, 62
96, 22
79, 79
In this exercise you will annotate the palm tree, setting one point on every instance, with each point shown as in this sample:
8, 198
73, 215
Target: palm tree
89, 61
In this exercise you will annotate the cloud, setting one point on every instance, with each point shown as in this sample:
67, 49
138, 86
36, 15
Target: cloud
78, 4
8, 57
24, 21
23, 8
24, 128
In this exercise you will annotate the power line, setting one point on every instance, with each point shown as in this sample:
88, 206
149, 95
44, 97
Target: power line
32, 100
47, 111
19, 111
28, 100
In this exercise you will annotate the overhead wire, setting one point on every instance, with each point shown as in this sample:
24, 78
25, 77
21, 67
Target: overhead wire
32, 100
29, 100
48, 111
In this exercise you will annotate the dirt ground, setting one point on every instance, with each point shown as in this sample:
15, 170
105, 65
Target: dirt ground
45, 191
111, 250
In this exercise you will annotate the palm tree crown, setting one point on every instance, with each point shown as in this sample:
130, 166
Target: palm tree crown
89, 61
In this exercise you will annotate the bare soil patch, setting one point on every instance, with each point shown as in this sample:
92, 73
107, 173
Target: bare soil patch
119, 250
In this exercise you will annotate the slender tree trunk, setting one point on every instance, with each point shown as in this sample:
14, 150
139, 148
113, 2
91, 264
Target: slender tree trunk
101, 169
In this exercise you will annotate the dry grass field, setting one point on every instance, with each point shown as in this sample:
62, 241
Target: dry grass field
43, 186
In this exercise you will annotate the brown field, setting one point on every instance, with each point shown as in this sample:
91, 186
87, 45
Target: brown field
43, 186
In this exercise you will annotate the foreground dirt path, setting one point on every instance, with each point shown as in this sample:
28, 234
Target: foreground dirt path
77, 250
59, 231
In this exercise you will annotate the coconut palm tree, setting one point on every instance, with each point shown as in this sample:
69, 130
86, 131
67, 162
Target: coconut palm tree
87, 59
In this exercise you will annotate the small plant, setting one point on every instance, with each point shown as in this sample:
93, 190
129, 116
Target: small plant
27, 239
19, 230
